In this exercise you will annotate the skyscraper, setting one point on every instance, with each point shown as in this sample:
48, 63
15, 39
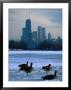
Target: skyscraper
34, 36
49, 36
28, 25
28, 29
41, 34
26, 33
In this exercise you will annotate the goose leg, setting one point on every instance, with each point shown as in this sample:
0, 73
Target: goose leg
27, 74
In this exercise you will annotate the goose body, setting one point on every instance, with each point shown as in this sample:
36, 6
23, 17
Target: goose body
23, 65
26, 68
47, 68
50, 77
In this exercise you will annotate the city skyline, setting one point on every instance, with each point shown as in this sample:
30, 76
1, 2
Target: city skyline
50, 19
36, 40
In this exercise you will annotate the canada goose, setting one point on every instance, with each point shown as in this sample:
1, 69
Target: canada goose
50, 77
47, 68
25, 67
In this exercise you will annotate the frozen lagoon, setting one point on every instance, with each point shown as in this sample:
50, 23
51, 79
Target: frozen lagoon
39, 59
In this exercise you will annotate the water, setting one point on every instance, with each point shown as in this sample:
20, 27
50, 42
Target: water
39, 59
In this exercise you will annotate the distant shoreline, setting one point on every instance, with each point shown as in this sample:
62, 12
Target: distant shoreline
32, 50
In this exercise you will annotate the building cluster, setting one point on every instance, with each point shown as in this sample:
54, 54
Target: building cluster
39, 35
33, 38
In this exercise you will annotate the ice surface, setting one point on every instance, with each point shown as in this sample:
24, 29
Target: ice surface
39, 59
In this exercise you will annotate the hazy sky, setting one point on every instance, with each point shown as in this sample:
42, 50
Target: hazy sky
51, 19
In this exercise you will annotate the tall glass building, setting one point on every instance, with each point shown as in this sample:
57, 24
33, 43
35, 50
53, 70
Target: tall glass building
26, 32
41, 34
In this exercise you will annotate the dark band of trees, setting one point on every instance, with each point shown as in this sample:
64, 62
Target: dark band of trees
45, 45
